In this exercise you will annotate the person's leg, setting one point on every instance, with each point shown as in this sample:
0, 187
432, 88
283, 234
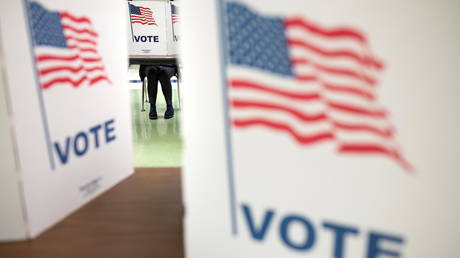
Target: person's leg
142, 73
152, 89
166, 88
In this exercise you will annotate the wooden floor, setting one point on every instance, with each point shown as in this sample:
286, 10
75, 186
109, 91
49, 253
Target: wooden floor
140, 217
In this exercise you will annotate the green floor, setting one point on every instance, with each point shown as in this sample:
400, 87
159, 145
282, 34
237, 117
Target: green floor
157, 143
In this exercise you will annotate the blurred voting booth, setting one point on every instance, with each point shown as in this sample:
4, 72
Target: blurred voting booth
60, 147
325, 128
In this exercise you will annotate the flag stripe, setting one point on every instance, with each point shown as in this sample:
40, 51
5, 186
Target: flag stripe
70, 69
365, 61
306, 78
66, 15
346, 72
98, 79
385, 133
357, 110
243, 84
81, 40
82, 49
349, 90
329, 33
303, 62
145, 22
75, 83
300, 138
67, 58
80, 31
302, 116
356, 148
42, 58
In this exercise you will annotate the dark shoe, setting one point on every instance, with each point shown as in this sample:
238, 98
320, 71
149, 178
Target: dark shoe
153, 112
169, 112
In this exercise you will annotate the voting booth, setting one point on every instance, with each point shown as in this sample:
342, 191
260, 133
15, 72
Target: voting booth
153, 37
153, 28
64, 111
325, 129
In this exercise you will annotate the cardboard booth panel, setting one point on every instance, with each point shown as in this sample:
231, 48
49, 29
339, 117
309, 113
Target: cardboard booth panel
66, 75
330, 131
152, 28
12, 222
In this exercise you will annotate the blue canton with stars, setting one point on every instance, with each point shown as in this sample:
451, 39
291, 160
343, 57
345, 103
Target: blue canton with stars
134, 9
256, 41
46, 27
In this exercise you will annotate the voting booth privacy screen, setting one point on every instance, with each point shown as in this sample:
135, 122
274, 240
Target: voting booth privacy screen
153, 27
65, 114
324, 129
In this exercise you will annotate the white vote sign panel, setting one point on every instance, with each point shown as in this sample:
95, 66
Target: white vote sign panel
66, 135
324, 129
152, 28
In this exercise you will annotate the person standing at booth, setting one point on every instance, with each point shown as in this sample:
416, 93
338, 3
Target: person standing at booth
162, 73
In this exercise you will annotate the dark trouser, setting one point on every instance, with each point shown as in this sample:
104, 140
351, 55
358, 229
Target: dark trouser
154, 75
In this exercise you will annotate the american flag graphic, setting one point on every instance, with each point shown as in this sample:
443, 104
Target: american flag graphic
174, 13
65, 48
141, 15
315, 84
